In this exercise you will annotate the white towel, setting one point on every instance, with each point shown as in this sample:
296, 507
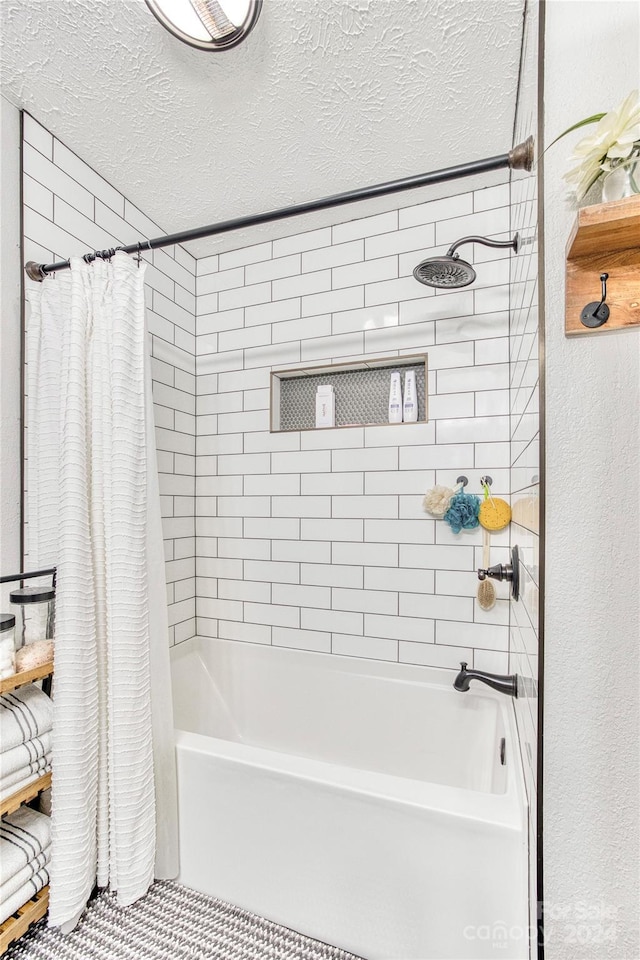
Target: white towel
23, 835
24, 714
15, 883
31, 887
7, 656
28, 774
24, 754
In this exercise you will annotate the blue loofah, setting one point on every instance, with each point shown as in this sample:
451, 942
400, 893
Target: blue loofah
463, 512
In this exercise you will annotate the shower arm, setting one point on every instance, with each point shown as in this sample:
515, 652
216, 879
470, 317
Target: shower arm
521, 157
514, 243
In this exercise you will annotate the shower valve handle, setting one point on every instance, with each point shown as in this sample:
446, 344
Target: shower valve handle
505, 571
501, 571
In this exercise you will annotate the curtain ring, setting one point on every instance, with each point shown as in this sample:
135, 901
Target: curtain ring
139, 257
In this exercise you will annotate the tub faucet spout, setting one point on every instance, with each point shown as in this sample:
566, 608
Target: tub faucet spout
504, 684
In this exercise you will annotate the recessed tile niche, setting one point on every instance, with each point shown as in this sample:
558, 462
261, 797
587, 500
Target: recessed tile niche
361, 391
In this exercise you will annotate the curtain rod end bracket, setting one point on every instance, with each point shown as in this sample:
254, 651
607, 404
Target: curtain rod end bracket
35, 271
521, 156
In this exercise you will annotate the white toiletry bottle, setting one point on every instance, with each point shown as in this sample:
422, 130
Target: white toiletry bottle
325, 406
410, 406
395, 398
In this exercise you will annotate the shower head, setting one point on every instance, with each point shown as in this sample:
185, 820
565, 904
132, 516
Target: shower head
450, 272
447, 272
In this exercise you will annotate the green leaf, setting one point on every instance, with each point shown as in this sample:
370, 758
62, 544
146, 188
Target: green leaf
576, 126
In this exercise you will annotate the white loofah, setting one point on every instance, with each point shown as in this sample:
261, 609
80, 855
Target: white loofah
436, 501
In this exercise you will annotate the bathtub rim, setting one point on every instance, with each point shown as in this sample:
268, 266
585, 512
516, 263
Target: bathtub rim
383, 669
497, 809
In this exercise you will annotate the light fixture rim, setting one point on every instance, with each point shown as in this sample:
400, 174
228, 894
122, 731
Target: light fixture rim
225, 43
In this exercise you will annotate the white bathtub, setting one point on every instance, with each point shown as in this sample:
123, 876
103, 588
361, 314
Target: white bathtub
361, 803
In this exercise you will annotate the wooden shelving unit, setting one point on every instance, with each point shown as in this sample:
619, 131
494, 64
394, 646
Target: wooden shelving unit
27, 676
30, 792
23, 918
35, 908
605, 239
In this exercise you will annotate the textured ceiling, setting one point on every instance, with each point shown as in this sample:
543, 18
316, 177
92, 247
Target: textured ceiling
324, 96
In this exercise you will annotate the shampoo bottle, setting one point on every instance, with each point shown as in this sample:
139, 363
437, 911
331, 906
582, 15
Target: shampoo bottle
410, 407
395, 398
325, 406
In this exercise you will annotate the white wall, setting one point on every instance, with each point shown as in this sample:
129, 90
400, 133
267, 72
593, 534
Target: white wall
10, 398
592, 648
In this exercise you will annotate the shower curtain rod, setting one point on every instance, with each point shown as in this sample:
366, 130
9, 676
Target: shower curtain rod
519, 158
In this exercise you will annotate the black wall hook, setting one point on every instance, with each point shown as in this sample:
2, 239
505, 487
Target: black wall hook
596, 313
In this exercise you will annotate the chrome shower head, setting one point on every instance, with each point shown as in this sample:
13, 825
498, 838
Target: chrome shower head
450, 272
445, 272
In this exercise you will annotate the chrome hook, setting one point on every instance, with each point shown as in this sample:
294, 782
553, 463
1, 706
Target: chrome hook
596, 313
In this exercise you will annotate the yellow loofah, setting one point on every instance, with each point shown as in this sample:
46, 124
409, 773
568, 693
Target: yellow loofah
495, 514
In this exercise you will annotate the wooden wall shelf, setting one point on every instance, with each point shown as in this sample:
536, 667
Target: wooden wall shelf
605, 239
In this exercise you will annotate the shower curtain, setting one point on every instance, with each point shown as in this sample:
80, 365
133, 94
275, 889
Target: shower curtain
93, 510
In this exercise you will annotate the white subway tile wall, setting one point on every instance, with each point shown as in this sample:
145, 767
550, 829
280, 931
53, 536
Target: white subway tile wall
318, 540
524, 626
309, 539
69, 209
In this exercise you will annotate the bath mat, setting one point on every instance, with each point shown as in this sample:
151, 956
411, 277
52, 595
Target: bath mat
170, 923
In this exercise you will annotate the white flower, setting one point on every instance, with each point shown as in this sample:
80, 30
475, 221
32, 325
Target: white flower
584, 176
614, 139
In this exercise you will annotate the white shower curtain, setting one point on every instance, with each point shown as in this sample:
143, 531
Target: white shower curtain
93, 510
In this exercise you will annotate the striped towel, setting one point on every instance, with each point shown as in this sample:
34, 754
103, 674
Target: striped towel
24, 714
18, 880
30, 888
23, 835
25, 753
20, 778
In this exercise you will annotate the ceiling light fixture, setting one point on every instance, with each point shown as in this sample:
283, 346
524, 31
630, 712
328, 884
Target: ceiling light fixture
207, 24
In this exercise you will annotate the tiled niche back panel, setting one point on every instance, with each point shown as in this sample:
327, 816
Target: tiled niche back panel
69, 209
362, 396
318, 539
